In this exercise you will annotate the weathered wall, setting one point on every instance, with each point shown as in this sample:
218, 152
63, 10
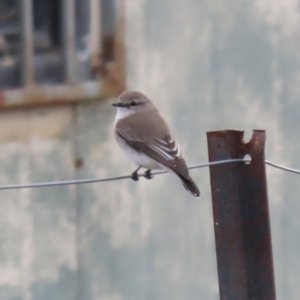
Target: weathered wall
38, 256
207, 65
227, 64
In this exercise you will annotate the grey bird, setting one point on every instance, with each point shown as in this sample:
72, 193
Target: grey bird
147, 140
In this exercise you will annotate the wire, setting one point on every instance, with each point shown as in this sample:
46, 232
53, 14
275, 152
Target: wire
94, 180
282, 167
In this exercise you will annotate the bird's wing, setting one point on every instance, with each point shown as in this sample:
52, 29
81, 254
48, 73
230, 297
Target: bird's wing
164, 150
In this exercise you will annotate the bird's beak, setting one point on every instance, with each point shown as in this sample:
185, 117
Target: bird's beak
119, 104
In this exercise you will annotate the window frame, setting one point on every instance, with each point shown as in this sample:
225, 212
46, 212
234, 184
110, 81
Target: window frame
110, 79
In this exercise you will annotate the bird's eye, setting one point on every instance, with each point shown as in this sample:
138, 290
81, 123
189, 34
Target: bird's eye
133, 103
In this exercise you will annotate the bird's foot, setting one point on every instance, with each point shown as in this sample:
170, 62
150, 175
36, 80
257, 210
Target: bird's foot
135, 176
148, 174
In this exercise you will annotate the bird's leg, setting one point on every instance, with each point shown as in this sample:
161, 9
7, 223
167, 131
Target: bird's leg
134, 175
148, 174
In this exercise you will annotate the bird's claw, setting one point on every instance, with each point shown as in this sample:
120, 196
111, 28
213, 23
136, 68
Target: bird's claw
135, 176
148, 174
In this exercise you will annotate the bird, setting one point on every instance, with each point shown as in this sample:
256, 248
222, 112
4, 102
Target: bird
145, 137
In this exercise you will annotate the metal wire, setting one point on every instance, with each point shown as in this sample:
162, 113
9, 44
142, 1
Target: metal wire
94, 180
282, 167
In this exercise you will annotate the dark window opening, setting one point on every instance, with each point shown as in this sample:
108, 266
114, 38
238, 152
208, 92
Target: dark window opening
55, 59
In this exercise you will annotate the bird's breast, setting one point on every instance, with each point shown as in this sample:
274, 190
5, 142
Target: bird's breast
123, 112
139, 158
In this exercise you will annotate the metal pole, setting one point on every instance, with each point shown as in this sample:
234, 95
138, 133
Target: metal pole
241, 217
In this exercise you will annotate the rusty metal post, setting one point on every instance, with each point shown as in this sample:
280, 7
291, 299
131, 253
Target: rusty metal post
241, 217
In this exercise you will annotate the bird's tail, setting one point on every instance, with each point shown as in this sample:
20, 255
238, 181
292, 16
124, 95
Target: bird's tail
190, 186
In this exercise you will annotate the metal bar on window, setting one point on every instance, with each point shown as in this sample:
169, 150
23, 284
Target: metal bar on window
27, 61
68, 21
95, 32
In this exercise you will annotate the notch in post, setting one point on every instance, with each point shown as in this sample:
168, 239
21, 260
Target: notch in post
241, 216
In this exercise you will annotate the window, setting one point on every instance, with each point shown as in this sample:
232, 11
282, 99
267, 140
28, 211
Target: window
60, 50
